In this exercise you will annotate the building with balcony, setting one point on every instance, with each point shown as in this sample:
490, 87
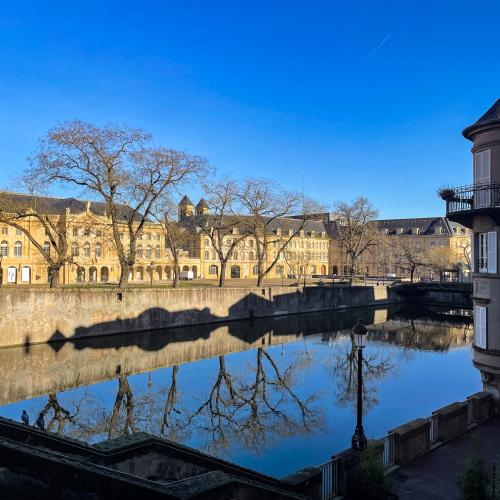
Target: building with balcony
477, 207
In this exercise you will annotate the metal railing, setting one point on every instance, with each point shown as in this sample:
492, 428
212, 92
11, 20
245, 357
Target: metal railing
329, 479
388, 457
433, 428
475, 196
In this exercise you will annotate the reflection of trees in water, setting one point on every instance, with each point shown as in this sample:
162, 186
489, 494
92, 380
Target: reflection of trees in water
253, 410
246, 406
343, 364
125, 420
59, 416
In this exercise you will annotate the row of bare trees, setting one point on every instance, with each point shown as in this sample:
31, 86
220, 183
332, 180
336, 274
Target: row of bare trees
139, 181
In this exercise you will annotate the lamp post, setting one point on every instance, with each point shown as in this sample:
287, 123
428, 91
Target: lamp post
359, 441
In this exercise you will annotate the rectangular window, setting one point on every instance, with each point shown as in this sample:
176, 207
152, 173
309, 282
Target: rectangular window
86, 231
480, 326
5, 230
75, 231
483, 252
18, 232
487, 252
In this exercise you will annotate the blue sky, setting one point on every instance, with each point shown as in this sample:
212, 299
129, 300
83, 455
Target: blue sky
275, 89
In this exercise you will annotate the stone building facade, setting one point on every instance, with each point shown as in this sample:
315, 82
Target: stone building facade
438, 244
306, 254
313, 251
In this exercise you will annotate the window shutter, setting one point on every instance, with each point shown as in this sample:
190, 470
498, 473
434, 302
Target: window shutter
480, 326
485, 163
478, 174
492, 252
473, 240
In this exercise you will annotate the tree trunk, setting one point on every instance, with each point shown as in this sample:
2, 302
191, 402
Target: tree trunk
222, 277
54, 275
124, 274
411, 275
175, 281
260, 276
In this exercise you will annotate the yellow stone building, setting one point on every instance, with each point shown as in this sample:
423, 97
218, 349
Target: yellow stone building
90, 243
442, 246
315, 250
306, 254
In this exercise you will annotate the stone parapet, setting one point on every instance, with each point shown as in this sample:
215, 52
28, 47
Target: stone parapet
480, 407
452, 421
411, 440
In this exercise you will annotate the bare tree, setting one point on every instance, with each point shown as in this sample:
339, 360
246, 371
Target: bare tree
356, 230
222, 222
266, 204
298, 261
118, 165
409, 257
176, 235
19, 213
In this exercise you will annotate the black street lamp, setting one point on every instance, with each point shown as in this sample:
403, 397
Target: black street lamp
359, 441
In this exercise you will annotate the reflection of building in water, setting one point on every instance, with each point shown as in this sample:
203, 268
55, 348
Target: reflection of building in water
478, 207
48, 368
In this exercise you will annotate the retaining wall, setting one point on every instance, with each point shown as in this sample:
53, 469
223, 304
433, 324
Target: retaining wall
32, 315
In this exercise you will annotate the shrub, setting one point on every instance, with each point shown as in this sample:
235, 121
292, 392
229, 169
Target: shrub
370, 483
472, 480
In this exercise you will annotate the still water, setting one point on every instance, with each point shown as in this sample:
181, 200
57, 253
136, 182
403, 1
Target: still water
275, 395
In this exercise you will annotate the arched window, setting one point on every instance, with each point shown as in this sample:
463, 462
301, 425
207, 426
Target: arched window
46, 247
313, 269
98, 250
279, 270
4, 249
74, 249
157, 252
104, 274
255, 269
213, 270
18, 249
235, 255
185, 268
86, 249
206, 255
149, 252
250, 255
139, 251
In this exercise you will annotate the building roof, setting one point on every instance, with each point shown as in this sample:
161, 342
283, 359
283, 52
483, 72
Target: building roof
490, 118
195, 222
202, 204
57, 206
419, 225
186, 201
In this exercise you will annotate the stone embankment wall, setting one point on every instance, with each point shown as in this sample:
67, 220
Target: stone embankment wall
31, 316
457, 295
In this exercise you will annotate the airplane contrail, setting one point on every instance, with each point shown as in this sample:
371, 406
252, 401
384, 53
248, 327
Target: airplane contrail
377, 48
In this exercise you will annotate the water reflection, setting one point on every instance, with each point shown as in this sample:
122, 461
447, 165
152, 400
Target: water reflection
282, 389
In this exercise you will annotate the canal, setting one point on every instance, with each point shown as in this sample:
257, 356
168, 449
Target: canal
273, 394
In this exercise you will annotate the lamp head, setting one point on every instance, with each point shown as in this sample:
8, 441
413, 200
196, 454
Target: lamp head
359, 331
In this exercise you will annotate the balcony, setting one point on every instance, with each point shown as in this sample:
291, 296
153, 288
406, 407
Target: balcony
463, 203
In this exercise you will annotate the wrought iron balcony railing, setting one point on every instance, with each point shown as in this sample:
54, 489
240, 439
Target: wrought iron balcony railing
473, 197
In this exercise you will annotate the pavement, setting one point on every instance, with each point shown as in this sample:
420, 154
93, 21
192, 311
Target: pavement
434, 476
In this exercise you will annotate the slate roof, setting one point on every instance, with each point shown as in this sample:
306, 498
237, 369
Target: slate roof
285, 223
491, 117
186, 201
57, 206
202, 204
425, 226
